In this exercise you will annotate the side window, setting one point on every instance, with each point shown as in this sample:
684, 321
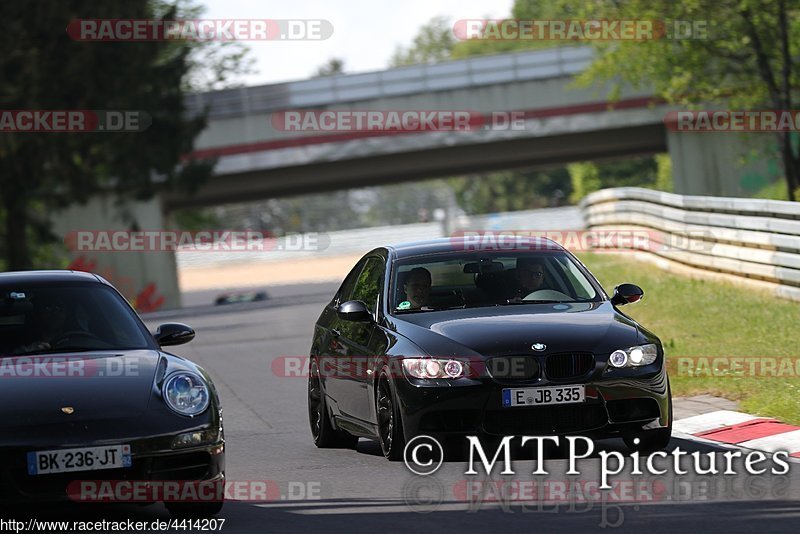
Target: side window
346, 290
369, 283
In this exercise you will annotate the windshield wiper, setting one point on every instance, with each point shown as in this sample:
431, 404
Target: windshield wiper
540, 301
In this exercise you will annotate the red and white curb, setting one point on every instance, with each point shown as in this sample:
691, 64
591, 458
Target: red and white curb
742, 430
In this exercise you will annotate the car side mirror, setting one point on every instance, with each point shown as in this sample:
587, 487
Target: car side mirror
173, 334
354, 310
627, 294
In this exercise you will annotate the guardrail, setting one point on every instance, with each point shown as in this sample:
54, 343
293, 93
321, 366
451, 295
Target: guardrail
362, 240
750, 239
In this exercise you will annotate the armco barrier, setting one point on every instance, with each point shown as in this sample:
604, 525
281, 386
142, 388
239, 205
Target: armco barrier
751, 239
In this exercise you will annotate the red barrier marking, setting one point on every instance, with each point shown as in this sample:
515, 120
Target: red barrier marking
754, 429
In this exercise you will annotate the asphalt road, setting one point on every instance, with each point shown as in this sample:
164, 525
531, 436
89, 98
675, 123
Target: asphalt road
268, 439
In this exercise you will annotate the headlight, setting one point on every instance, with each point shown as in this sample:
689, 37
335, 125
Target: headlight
186, 393
634, 356
434, 368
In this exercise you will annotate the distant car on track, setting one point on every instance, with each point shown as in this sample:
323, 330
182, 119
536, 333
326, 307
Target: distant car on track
87, 394
444, 339
244, 296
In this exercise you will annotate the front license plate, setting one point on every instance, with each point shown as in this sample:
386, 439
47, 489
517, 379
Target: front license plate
81, 459
543, 396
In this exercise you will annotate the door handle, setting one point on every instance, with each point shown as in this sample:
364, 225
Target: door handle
335, 332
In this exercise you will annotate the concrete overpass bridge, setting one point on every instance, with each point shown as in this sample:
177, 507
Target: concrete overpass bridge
259, 159
562, 124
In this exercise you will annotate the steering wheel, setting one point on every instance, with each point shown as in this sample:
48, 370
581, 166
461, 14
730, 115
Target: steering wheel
60, 340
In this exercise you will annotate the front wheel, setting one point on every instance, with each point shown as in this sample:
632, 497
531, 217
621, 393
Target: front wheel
325, 436
390, 428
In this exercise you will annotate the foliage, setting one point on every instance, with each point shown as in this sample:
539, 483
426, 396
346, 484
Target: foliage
663, 173
749, 58
330, 67
434, 42
585, 179
511, 190
41, 68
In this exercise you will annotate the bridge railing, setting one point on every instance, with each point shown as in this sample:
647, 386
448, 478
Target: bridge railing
745, 238
339, 89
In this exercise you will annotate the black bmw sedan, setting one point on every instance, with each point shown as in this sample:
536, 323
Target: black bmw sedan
448, 339
87, 395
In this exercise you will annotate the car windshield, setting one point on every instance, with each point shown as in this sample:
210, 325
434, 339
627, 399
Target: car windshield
54, 318
468, 280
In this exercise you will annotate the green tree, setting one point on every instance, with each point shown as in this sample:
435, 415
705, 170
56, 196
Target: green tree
41, 68
521, 10
747, 59
645, 171
434, 42
585, 179
663, 173
518, 190
511, 190
329, 68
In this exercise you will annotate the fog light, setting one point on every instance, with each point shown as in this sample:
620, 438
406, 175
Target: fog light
193, 439
618, 358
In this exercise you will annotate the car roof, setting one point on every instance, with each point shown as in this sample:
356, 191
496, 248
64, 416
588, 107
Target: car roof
26, 277
487, 242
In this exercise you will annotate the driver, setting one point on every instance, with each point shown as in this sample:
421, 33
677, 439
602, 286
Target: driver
417, 289
49, 318
529, 276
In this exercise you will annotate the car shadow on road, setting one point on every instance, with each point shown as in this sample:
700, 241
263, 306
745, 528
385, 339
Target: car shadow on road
458, 451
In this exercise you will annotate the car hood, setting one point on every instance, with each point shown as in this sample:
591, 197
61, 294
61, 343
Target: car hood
101, 385
567, 327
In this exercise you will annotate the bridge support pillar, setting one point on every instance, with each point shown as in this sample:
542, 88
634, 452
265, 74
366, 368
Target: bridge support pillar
722, 163
148, 279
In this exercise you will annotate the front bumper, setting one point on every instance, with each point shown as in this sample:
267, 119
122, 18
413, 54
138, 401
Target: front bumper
614, 406
150, 461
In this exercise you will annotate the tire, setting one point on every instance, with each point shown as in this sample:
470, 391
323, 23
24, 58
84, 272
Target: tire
390, 425
651, 441
322, 431
194, 509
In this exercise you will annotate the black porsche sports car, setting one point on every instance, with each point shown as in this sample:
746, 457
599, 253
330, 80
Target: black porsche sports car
87, 395
447, 339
